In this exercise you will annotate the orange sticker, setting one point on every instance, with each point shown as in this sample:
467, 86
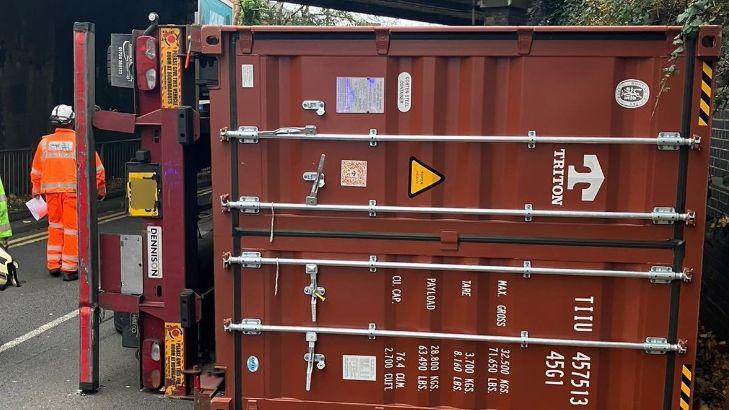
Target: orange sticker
422, 178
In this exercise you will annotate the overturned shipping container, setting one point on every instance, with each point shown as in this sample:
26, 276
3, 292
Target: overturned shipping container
501, 218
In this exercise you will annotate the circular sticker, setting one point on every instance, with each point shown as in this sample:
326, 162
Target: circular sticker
252, 364
632, 93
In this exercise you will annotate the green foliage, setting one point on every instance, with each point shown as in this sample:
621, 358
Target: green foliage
689, 14
265, 12
251, 12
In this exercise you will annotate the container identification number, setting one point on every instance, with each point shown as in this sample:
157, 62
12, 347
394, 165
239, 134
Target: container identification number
584, 308
579, 375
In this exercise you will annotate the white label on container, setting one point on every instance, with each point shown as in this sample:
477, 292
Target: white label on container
154, 252
362, 368
360, 95
354, 173
632, 93
404, 92
247, 75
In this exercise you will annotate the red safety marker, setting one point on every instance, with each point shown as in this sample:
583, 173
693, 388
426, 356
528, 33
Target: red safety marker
88, 251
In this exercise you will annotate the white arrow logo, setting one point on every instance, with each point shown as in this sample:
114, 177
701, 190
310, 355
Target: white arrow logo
594, 178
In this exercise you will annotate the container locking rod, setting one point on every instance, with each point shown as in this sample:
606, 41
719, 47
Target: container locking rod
651, 345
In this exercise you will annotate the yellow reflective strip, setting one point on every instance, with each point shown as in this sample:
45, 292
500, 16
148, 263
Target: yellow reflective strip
708, 70
685, 389
70, 231
702, 122
686, 372
706, 88
705, 107
684, 405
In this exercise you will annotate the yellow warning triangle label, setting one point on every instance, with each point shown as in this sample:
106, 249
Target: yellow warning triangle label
422, 178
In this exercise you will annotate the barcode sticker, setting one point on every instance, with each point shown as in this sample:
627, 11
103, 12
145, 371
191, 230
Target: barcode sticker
362, 368
354, 173
247, 75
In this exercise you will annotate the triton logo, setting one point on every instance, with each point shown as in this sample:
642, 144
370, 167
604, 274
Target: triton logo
594, 178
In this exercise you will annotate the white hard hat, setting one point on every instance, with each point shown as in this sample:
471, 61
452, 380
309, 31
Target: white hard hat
62, 114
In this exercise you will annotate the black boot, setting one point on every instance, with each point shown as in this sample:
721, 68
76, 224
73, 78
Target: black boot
54, 272
70, 276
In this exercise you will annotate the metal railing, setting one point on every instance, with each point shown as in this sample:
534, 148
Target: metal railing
15, 170
15, 164
115, 154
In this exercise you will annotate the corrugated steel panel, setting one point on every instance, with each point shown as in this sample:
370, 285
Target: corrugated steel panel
459, 82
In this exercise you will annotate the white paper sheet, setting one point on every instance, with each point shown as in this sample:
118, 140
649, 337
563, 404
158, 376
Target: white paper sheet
37, 207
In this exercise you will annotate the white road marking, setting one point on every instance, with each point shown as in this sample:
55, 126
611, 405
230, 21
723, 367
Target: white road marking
37, 237
48, 326
26, 240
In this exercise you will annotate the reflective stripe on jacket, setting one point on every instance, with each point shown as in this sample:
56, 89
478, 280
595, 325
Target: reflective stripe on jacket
54, 165
5, 230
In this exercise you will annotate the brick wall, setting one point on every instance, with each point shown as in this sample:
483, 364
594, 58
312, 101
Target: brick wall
719, 165
715, 278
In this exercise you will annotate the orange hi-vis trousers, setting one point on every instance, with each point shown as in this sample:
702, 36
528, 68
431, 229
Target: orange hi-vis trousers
62, 231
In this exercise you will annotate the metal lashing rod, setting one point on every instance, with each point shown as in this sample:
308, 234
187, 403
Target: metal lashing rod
657, 274
659, 215
651, 345
669, 141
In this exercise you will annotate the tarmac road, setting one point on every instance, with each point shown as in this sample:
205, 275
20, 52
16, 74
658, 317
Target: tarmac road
39, 339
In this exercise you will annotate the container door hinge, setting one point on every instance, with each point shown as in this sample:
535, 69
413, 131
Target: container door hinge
246, 259
660, 345
314, 290
382, 40
311, 199
312, 357
664, 215
250, 326
662, 274
672, 141
247, 204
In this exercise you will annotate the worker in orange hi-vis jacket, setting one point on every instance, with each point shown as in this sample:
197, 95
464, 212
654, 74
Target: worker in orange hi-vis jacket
54, 175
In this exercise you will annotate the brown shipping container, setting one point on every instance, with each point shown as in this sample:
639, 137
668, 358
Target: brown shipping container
503, 218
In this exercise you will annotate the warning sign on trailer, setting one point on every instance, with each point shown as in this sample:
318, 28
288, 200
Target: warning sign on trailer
170, 87
174, 358
422, 178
